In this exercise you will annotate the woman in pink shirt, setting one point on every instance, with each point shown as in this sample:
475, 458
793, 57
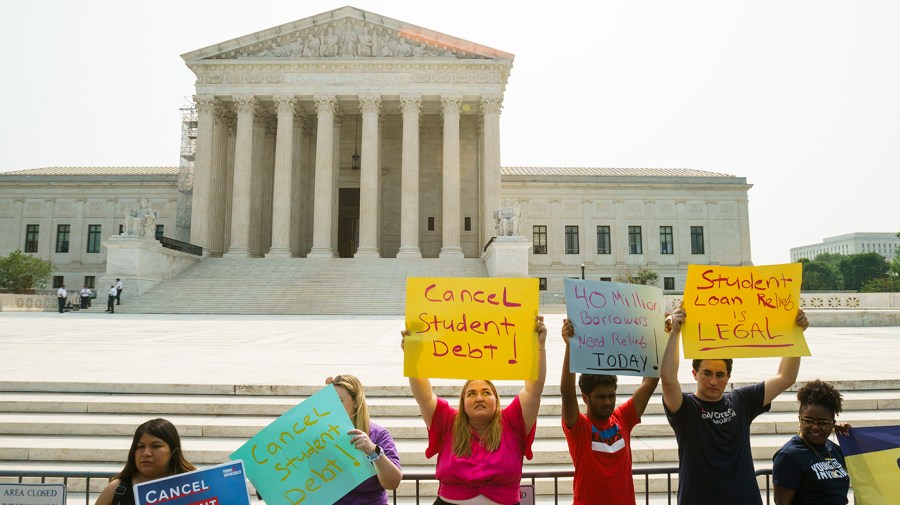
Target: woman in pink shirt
480, 446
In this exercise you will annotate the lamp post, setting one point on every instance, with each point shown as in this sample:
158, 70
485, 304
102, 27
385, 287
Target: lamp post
582, 271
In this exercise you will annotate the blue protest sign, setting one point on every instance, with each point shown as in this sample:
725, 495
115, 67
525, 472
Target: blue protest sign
305, 456
619, 328
224, 484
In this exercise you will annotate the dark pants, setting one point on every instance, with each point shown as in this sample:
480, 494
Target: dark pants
119, 297
62, 303
84, 302
111, 304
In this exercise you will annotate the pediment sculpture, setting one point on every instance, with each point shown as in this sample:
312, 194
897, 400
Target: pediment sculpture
347, 38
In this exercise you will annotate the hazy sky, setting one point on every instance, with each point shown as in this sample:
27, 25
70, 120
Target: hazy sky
800, 97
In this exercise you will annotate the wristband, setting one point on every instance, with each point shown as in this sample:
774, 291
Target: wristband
375, 454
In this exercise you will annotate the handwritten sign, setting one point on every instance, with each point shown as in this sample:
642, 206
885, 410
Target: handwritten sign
217, 485
32, 494
617, 327
471, 328
743, 312
305, 456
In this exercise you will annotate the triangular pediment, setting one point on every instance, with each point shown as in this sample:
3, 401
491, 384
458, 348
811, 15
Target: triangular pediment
345, 33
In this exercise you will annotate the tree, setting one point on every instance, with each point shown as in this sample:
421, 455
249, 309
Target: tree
643, 276
858, 269
882, 285
821, 276
21, 273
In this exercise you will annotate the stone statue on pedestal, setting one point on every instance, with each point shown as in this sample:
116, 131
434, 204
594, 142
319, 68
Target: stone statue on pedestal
508, 219
140, 222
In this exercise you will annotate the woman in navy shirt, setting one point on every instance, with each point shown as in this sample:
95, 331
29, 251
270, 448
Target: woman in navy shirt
810, 468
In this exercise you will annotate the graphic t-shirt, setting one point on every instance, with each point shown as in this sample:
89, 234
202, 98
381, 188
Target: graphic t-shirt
715, 463
601, 452
816, 480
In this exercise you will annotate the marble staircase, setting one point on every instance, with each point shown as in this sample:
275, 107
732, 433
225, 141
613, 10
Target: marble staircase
294, 286
61, 427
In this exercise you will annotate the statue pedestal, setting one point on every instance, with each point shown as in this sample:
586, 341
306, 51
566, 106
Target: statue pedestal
141, 263
507, 257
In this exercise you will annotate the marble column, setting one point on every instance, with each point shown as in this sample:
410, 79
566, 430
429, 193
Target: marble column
285, 106
369, 190
450, 248
203, 156
245, 106
324, 178
258, 184
300, 210
411, 107
490, 168
218, 183
335, 179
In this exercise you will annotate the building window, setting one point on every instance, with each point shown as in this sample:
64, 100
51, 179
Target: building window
666, 240
93, 238
697, 240
542, 284
603, 241
62, 238
430, 224
539, 237
635, 244
57, 281
467, 224
90, 281
669, 283
607, 279
160, 231
571, 240
32, 231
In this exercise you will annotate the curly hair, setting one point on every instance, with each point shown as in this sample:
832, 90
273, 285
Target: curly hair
820, 393
587, 382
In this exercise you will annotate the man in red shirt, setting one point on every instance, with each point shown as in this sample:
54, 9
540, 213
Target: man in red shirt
600, 442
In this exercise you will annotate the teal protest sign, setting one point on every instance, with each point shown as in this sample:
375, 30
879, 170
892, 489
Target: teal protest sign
619, 328
305, 456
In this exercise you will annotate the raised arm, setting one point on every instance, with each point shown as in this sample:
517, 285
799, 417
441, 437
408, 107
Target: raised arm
570, 410
530, 396
642, 394
787, 369
421, 390
668, 371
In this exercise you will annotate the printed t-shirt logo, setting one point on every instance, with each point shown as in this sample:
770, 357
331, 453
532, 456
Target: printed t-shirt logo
718, 417
607, 440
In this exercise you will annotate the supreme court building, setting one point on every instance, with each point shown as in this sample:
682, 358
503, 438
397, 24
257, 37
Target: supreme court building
353, 135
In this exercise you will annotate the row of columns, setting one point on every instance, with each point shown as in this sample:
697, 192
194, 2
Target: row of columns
210, 213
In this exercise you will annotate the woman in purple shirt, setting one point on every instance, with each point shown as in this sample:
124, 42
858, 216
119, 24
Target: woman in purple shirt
372, 440
481, 446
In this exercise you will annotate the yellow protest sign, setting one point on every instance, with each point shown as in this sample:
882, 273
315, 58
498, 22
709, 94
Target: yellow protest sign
462, 328
742, 312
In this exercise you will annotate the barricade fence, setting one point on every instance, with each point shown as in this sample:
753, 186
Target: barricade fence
85, 478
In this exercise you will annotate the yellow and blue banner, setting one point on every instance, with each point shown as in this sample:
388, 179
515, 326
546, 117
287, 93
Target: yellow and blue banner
872, 455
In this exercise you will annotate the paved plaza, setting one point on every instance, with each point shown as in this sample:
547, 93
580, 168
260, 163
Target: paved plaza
303, 350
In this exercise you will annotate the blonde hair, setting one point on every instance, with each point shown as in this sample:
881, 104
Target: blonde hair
354, 387
462, 428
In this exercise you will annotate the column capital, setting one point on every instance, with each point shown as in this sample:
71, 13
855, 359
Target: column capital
451, 104
285, 104
245, 104
325, 104
369, 104
205, 103
411, 103
491, 104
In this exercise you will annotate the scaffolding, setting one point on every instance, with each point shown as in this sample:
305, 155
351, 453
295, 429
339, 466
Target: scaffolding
186, 170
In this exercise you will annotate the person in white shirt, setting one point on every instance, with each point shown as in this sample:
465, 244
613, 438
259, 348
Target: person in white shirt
118, 291
85, 297
111, 299
61, 298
